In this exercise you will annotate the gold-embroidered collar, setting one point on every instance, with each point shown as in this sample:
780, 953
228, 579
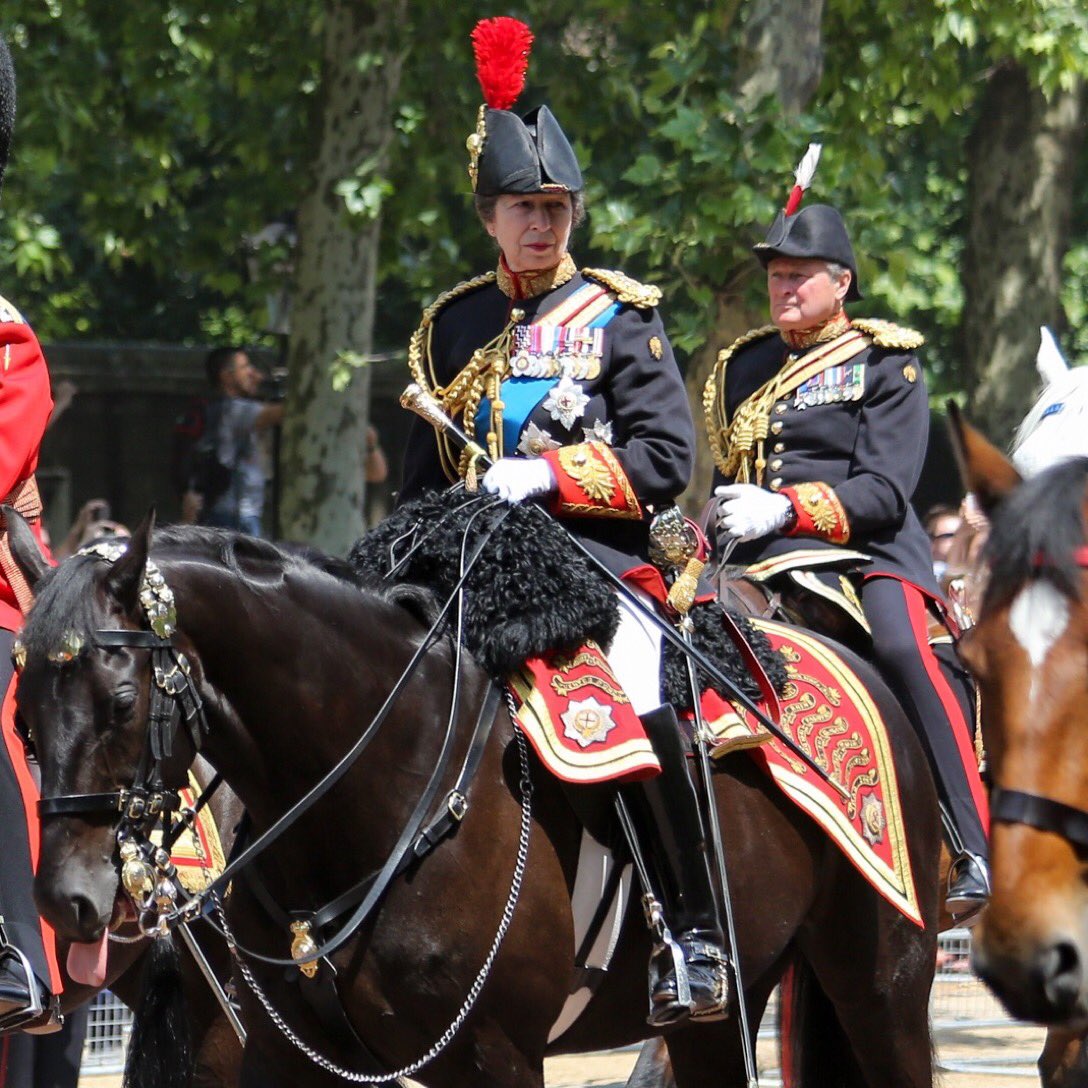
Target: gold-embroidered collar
522, 285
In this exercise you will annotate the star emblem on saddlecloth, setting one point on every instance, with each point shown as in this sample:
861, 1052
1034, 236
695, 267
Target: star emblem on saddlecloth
587, 721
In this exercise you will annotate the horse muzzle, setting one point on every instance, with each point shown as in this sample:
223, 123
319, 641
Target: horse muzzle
1045, 983
79, 901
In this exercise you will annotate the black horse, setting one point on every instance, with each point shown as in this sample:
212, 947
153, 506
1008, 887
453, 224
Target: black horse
211, 1040
292, 664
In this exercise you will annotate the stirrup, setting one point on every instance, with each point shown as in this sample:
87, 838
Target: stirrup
701, 981
24, 1000
968, 888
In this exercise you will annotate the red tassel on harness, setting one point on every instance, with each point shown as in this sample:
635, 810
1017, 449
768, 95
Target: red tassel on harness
501, 46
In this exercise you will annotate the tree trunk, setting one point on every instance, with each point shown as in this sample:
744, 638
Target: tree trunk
732, 319
324, 436
1022, 156
782, 56
783, 52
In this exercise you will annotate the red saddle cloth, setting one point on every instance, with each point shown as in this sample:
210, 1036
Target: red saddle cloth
828, 712
582, 726
576, 716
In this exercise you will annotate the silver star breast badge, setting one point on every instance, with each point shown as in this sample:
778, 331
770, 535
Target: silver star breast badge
566, 402
535, 441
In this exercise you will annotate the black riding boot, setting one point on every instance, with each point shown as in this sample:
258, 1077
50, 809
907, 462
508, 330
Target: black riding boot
668, 825
969, 873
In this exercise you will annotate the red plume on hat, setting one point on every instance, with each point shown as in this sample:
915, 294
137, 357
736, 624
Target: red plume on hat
804, 173
501, 46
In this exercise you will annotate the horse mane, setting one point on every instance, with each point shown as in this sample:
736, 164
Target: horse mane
1036, 530
65, 603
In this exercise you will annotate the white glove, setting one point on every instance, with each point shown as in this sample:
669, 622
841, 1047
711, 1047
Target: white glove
517, 478
747, 512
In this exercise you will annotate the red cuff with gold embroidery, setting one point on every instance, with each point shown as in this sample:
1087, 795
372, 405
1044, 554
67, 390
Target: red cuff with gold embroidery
591, 481
819, 512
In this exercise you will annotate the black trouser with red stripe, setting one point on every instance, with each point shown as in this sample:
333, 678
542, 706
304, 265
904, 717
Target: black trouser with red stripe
936, 694
24, 926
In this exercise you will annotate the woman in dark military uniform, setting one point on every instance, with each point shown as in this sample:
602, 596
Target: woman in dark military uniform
818, 425
567, 378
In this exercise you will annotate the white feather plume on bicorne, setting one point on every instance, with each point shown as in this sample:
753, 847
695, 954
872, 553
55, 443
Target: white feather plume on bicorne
806, 169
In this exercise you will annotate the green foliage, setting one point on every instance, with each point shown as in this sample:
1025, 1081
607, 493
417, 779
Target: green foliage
154, 138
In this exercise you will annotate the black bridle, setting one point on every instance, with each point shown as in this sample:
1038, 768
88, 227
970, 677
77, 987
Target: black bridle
1033, 809
174, 700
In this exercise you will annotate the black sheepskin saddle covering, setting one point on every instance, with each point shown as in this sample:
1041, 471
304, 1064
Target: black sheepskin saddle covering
531, 592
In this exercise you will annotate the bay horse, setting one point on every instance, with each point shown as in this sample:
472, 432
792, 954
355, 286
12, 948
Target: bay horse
1029, 651
292, 663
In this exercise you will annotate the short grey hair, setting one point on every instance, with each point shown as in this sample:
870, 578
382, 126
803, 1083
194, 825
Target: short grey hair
836, 271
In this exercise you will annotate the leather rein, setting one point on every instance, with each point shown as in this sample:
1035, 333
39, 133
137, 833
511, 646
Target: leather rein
1033, 809
175, 699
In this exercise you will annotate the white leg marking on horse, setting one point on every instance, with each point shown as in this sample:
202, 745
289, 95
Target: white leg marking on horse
1037, 619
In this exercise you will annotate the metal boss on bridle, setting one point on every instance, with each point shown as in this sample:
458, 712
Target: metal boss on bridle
147, 873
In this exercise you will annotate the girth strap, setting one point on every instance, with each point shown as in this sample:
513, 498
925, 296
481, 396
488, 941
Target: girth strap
1017, 807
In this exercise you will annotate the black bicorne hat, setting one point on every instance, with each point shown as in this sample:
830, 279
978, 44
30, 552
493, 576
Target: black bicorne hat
529, 154
7, 105
508, 153
816, 232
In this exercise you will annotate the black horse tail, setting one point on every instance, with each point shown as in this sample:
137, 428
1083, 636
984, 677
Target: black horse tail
814, 1051
160, 1051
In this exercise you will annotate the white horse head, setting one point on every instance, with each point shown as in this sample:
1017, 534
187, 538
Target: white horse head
1057, 425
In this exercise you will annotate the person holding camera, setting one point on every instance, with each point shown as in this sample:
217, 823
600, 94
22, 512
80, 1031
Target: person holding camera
229, 467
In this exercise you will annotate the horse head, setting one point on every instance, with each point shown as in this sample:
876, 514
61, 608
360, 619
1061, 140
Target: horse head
1029, 653
86, 696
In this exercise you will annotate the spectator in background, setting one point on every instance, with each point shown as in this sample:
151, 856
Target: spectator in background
376, 468
229, 470
92, 523
941, 523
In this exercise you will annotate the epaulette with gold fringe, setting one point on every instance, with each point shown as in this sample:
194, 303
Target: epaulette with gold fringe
754, 334
886, 334
644, 296
454, 293
8, 314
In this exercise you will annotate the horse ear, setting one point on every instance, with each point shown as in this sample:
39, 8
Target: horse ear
24, 547
1049, 361
987, 473
126, 576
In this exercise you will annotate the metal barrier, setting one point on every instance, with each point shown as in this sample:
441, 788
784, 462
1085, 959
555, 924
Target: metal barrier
109, 1026
959, 1004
